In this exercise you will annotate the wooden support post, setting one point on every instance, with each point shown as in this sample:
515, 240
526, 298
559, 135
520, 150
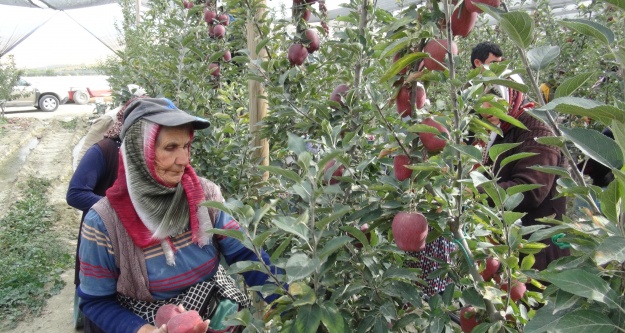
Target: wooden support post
257, 105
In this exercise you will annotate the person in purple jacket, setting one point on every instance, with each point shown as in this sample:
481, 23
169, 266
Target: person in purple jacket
148, 242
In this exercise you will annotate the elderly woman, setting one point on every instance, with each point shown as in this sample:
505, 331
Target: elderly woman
148, 242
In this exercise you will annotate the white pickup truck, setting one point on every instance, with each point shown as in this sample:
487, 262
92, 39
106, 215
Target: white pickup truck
46, 99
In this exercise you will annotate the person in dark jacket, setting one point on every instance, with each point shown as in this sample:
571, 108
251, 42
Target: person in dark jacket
540, 202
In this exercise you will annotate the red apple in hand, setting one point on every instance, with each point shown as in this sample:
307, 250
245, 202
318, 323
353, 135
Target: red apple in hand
339, 93
337, 173
430, 141
187, 322
468, 319
297, 54
399, 166
410, 231
470, 4
437, 48
166, 312
517, 290
492, 266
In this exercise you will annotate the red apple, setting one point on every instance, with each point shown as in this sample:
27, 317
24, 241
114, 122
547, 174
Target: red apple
227, 56
213, 69
492, 266
402, 101
468, 319
165, 313
462, 21
187, 4
517, 291
187, 322
210, 16
437, 48
398, 56
470, 4
313, 37
339, 93
297, 54
410, 231
337, 173
399, 165
430, 141
306, 15
224, 19
219, 31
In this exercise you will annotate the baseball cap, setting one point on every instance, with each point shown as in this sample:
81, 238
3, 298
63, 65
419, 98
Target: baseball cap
160, 111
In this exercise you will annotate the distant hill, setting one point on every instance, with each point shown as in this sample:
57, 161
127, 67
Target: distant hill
57, 70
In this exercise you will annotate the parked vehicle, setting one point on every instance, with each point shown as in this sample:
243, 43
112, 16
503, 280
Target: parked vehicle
41, 97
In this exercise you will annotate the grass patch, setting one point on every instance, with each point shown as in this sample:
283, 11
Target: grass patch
32, 256
69, 125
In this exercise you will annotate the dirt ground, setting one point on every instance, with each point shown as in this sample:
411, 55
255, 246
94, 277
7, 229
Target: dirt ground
41, 144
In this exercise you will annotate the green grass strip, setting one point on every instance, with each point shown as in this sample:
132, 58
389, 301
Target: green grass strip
33, 258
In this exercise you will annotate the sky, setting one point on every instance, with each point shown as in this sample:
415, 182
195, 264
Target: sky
61, 40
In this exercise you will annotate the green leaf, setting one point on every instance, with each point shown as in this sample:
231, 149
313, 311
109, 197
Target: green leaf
236, 234
596, 146
562, 172
545, 320
557, 141
587, 321
259, 240
282, 172
331, 317
570, 85
511, 217
300, 266
333, 245
541, 57
609, 200
308, 319
582, 103
401, 63
506, 83
512, 190
474, 154
395, 47
519, 26
516, 157
582, 283
297, 144
592, 29
218, 205
244, 266
336, 216
611, 249
527, 262
262, 44
291, 226
501, 148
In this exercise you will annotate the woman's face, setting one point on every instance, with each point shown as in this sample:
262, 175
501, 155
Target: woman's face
172, 153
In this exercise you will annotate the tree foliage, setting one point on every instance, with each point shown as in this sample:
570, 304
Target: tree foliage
340, 277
